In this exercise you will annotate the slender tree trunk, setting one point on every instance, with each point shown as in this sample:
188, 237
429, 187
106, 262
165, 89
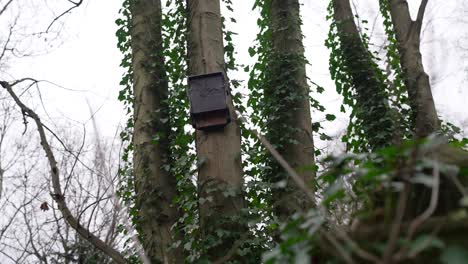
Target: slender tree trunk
220, 178
372, 109
416, 79
290, 128
426, 122
408, 34
155, 187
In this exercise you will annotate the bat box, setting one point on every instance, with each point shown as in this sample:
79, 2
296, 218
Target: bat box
208, 101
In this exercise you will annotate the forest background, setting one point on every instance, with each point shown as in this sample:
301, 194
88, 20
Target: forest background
80, 61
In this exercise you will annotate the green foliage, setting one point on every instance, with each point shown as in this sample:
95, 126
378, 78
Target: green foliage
349, 185
183, 159
398, 93
126, 185
384, 172
126, 97
273, 90
273, 87
377, 100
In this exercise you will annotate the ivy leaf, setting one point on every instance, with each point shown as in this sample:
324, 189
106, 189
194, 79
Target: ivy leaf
252, 52
330, 117
119, 22
324, 136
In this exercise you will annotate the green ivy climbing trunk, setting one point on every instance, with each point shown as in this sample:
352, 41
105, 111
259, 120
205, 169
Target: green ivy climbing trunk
220, 177
155, 187
371, 103
289, 121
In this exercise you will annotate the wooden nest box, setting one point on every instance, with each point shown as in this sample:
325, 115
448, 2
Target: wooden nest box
208, 101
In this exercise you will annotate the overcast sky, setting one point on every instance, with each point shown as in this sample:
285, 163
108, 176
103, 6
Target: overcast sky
85, 58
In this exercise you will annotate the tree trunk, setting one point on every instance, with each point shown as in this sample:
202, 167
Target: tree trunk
426, 122
289, 127
220, 178
155, 187
407, 34
372, 110
416, 79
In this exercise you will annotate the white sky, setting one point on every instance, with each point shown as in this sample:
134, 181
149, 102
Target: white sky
88, 60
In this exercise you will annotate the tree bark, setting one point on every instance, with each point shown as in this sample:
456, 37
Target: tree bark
155, 187
426, 122
220, 178
289, 128
372, 109
416, 79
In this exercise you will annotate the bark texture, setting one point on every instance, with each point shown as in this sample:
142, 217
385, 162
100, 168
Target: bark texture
416, 79
155, 187
426, 122
220, 178
290, 127
417, 82
371, 107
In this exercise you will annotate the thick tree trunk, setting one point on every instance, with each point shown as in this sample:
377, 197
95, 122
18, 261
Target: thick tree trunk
220, 178
155, 187
372, 109
291, 127
416, 79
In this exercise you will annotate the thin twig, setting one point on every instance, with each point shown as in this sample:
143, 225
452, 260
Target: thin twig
75, 5
296, 178
5, 7
396, 225
341, 251
355, 247
57, 194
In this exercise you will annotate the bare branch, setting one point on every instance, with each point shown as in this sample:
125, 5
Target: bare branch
58, 196
420, 17
5, 7
7, 42
396, 225
75, 5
